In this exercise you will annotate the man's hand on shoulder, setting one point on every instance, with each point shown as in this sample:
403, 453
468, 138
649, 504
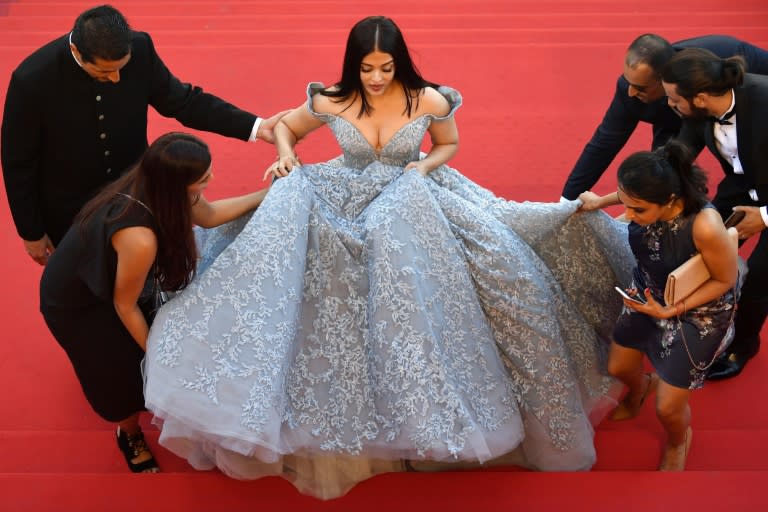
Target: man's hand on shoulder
39, 250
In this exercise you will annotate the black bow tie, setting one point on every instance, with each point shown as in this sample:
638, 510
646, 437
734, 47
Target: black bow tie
725, 119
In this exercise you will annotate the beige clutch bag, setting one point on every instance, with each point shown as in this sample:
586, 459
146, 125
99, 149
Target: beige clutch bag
686, 278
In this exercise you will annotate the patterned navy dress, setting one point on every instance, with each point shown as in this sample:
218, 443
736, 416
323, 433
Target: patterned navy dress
707, 330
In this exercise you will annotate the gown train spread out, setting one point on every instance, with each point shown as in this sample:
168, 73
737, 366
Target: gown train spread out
365, 316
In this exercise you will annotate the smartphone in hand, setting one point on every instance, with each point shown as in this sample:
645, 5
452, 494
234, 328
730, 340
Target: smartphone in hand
634, 298
734, 218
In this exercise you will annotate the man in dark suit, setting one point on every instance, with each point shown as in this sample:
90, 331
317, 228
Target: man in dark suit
640, 97
726, 110
76, 117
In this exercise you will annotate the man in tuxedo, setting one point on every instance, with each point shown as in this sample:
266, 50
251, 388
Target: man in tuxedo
76, 117
726, 110
639, 96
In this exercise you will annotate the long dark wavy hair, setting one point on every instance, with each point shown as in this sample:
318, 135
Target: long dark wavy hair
160, 180
656, 176
377, 33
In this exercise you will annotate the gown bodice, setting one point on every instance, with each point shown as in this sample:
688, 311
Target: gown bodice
403, 147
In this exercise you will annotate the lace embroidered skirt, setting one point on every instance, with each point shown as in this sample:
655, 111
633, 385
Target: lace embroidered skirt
363, 317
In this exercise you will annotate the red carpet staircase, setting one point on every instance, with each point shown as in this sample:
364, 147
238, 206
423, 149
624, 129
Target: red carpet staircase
532, 73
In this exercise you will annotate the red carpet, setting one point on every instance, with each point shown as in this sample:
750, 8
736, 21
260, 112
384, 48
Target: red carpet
536, 77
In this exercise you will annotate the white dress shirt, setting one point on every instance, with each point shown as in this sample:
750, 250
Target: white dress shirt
727, 144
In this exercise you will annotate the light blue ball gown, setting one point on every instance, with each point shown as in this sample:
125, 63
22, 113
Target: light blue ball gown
364, 316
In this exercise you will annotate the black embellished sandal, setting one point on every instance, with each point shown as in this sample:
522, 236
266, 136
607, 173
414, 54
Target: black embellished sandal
133, 446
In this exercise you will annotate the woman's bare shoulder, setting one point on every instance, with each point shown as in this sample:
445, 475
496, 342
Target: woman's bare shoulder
431, 101
708, 226
323, 104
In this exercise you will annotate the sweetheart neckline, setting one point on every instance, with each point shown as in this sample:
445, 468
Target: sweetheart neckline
368, 143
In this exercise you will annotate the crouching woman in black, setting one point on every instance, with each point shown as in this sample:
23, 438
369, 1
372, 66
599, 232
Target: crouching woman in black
99, 289
664, 196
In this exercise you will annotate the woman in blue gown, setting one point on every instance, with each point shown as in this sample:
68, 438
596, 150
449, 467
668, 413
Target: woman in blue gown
381, 311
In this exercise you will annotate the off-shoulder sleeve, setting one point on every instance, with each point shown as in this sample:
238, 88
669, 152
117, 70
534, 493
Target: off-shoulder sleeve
454, 100
312, 89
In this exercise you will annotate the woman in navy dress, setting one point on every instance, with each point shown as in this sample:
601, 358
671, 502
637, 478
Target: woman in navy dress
671, 219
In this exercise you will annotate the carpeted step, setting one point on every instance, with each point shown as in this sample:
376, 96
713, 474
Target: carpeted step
72, 451
727, 449
320, 7
408, 21
334, 37
713, 491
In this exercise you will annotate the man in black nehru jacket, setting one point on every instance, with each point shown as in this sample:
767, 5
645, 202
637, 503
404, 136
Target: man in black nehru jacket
76, 118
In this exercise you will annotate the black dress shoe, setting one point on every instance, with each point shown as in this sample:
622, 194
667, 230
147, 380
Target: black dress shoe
726, 367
